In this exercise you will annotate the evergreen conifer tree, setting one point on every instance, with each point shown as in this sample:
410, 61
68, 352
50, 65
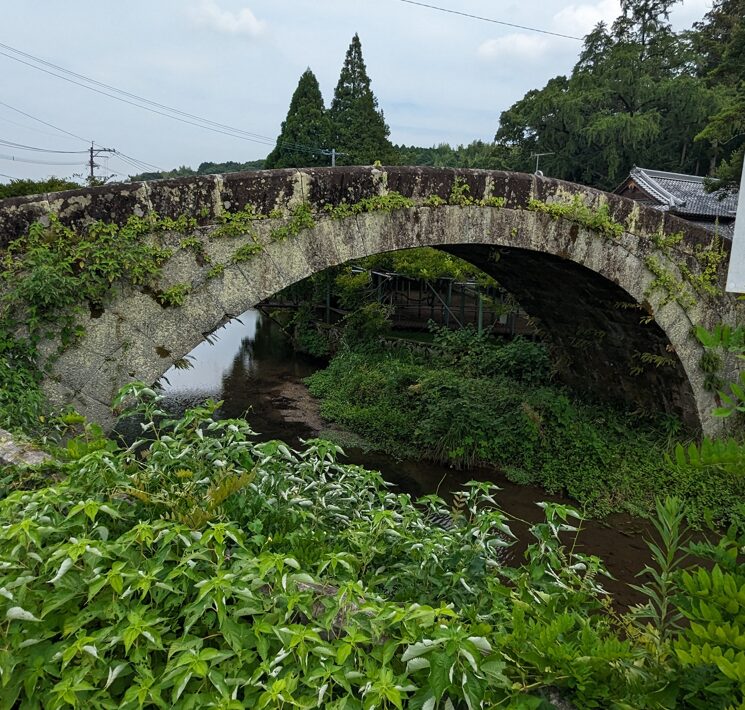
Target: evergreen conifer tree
306, 126
359, 129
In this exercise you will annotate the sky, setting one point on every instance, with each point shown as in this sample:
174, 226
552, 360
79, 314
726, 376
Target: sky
438, 77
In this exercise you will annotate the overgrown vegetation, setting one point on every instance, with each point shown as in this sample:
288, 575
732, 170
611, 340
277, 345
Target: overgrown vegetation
478, 401
18, 188
166, 574
575, 210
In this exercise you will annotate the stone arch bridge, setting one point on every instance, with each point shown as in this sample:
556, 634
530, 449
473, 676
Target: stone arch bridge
610, 285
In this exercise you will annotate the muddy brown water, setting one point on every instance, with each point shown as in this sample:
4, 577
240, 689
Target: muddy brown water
249, 364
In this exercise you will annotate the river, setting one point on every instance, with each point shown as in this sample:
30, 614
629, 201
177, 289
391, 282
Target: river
251, 366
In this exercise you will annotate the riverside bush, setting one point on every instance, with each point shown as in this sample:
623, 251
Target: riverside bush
478, 401
197, 568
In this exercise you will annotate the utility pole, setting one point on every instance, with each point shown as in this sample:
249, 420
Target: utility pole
333, 153
94, 153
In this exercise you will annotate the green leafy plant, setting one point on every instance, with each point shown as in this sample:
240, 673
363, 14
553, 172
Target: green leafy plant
246, 252
667, 559
575, 210
174, 295
301, 218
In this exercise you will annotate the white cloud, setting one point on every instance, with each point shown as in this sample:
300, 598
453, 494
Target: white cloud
575, 20
518, 46
207, 13
578, 20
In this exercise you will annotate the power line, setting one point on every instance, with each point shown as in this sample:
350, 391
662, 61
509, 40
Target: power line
26, 127
33, 118
137, 161
10, 177
152, 106
489, 19
139, 164
21, 146
16, 159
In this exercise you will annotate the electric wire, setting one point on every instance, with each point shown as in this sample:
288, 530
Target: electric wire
135, 97
152, 106
137, 161
10, 177
26, 127
56, 128
21, 146
16, 159
139, 164
487, 19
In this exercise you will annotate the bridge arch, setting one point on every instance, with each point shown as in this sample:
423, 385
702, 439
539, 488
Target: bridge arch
607, 284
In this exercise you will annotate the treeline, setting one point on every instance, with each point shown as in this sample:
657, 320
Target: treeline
17, 188
641, 94
208, 168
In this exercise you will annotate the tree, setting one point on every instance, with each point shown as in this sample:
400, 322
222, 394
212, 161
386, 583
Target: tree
634, 97
720, 38
359, 129
18, 188
306, 130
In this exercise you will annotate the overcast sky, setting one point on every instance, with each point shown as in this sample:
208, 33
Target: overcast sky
438, 77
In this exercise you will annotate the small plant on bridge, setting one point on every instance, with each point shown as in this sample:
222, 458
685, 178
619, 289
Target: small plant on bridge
174, 296
246, 252
301, 218
238, 224
389, 202
215, 270
460, 193
575, 210
433, 201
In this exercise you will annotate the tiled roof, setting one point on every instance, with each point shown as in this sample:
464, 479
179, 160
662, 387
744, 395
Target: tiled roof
684, 194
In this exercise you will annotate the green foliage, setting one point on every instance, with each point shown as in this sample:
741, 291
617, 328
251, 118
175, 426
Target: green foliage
359, 130
364, 325
667, 559
237, 224
377, 203
575, 210
216, 270
477, 154
246, 252
18, 188
307, 335
720, 40
477, 401
711, 648
206, 168
21, 401
723, 337
433, 201
53, 269
301, 218
174, 295
636, 96
166, 575
428, 264
460, 195
307, 125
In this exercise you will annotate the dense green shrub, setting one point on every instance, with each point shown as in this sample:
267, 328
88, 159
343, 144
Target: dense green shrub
198, 568
479, 401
